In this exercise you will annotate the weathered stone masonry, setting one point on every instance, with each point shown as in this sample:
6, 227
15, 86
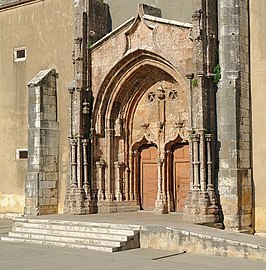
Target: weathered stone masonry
91, 23
41, 192
142, 99
150, 84
233, 112
202, 201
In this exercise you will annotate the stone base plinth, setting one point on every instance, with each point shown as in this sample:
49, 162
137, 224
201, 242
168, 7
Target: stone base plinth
104, 207
161, 207
77, 203
41, 210
199, 207
31, 210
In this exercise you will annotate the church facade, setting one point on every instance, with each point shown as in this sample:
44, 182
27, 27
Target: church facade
157, 116
151, 129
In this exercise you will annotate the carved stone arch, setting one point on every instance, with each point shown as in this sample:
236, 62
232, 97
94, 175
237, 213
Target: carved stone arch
144, 141
169, 144
123, 132
120, 74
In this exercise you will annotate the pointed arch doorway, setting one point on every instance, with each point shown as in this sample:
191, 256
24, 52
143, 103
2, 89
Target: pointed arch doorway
178, 172
141, 117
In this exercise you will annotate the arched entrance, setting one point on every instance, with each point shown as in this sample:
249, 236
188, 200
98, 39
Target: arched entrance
148, 177
135, 120
181, 175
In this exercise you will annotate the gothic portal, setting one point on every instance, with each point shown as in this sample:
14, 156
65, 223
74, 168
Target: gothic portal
146, 121
142, 127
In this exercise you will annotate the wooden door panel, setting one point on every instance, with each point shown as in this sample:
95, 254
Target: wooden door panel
181, 175
149, 175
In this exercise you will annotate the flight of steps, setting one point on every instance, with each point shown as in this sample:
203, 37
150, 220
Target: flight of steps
74, 234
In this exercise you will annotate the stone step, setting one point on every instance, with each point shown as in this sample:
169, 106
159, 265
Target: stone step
83, 235
76, 234
90, 229
79, 223
53, 238
60, 244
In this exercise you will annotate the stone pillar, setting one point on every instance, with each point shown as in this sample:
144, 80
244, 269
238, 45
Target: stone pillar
132, 176
192, 200
202, 148
86, 184
127, 193
73, 143
43, 145
100, 167
136, 173
90, 24
118, 181
210, 187
76, 200
234, 116
109, 134
213, 208
202, 121
160, 204
196, 162
169, 180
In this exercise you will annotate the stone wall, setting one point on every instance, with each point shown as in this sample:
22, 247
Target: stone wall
99, 20
45, 30
43, 146
9, 3
211, 243
258, 75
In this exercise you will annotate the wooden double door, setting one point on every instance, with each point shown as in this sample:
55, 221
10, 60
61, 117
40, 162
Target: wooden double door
179, 179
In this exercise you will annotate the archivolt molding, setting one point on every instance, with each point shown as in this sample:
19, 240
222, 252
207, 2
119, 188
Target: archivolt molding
115, 82
136, 145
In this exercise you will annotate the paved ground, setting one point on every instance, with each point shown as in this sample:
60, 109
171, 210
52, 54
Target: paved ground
31, 257
5, 225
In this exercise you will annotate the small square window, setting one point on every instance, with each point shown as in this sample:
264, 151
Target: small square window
20, 54
22, 153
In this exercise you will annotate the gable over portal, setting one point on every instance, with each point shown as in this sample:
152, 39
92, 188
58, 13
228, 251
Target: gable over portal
165, 38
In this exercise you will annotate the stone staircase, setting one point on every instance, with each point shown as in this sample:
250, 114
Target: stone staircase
74, 234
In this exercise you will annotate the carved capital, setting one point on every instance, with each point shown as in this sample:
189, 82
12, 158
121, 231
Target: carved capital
209, 137
73, 141
195, 137
101, 163
190, 76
